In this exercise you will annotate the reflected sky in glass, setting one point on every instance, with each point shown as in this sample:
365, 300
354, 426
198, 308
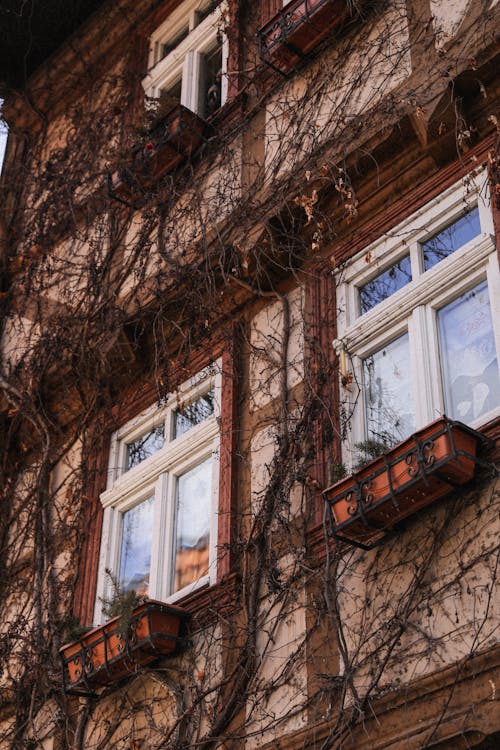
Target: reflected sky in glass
450, 239
135, 549
389, 406
471, 382
145, 446
189, 416
385, 284
194, 491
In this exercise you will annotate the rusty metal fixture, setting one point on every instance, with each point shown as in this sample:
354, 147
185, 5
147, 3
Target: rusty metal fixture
367, 505
112, 651
295, 30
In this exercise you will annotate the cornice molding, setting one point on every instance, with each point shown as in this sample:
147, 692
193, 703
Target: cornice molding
428, 712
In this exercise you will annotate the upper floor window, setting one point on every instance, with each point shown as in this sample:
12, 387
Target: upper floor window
188, 59
160, 518
419, 321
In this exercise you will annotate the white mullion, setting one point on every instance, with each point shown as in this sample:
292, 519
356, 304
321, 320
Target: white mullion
122, 458
416, 260
358, 420
105, 555
170, 533
343, 318
434, 350
191, 81
169, 426
424, 375
114, 453
186, 81
157, 542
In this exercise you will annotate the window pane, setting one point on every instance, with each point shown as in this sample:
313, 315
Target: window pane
189, 416
144, 447
194, 490
385, 284
450, 239
168, 47
390, 413
135, 548
469, 360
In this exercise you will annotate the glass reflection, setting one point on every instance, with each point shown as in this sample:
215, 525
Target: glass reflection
390, 412
451, 238
193, 414
144, 447
469, 363
135, 549
194, 490
385, 284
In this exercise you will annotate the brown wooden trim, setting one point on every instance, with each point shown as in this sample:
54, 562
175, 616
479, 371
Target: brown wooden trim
227, 465
269, 8
211, 602
323, 379
364, 234
156, 18
91, 528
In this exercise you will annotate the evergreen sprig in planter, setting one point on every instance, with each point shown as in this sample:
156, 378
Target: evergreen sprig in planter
296, 29
369, 503
116, 649
174, 139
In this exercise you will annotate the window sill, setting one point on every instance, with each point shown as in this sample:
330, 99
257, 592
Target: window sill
369, 504
205, 604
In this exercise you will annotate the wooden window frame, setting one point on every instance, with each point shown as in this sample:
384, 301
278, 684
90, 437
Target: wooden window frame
134, 402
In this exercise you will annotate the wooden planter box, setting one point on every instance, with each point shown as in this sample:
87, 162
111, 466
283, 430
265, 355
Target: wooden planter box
176, 137
431, 463
296, 29
107, 654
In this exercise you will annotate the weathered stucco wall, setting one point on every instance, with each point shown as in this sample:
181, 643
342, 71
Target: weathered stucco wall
429, 597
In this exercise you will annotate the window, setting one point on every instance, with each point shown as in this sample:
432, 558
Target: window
419, 324
160, 506
188, 59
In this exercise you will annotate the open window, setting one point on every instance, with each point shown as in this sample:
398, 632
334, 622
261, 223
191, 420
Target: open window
188, 59
160, 507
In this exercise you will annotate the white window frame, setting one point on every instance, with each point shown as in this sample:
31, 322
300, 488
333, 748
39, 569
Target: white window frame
414, 307
157, 476
185, 61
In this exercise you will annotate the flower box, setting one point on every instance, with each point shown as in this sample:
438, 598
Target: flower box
177, 136
111, 651
366, 505
296, 29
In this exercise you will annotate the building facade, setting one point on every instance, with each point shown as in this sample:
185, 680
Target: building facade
250, 381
